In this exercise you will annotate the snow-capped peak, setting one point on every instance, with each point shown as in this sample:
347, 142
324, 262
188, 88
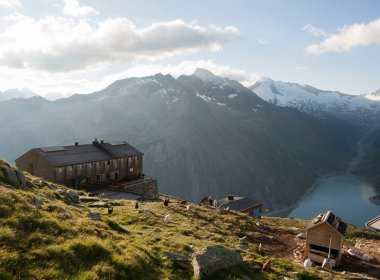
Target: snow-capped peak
310, 100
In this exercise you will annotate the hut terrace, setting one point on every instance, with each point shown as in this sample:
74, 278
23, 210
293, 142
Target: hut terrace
89, 165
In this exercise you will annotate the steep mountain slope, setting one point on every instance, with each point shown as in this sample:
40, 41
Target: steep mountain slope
201, 135
315, 101
370, 165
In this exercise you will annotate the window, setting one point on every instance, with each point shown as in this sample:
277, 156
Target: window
108, 176
114, 163
59, 173
78, 170
69, 172
97, 167
88, 168
108, 162
131, 169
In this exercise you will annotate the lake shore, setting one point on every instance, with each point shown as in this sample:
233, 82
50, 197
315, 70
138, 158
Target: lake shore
284, 212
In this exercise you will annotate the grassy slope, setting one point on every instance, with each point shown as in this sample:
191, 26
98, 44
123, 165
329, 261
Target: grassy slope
59, 241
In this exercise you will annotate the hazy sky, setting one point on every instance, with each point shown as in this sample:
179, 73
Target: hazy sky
71, 46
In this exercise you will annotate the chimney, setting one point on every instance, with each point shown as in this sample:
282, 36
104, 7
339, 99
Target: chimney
101, 141
230, 197
95, 142
76, 144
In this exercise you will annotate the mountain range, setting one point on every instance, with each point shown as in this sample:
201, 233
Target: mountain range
16, 93
202, 135
315, 101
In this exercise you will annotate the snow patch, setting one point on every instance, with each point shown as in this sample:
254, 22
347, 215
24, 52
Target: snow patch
233, 95
221, 104
205, 98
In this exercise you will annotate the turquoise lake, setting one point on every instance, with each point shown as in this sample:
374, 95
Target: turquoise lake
345, 195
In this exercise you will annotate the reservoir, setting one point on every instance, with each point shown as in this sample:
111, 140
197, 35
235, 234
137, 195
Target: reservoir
345, 195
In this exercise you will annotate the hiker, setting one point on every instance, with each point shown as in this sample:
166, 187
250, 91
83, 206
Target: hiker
136, 205
210, 201
110, 210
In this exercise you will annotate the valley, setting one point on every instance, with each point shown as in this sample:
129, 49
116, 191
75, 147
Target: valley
201, 134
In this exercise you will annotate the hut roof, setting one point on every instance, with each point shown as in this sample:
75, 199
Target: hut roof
97, 151
238, 203
374, 223
330, 218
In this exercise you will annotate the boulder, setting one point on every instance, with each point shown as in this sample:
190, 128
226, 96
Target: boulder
73, 196
94, 216
12, 176
212, 259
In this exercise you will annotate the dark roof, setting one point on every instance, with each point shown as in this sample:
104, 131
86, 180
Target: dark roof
97, 151
238, 203
331, 219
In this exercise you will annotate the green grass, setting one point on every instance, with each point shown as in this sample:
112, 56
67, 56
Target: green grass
59, 241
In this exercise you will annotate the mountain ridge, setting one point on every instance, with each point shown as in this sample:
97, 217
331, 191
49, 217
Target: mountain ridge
312, 100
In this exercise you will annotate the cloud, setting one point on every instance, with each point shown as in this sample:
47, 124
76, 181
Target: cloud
86, 81
262, 41
184, 68
317, 32
348, 37
73, 8
60, 44
10, 4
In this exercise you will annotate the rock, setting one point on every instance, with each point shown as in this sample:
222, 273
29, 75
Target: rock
73, 196
86, 198
99, 204
212, 259
94, 216
176, 257
12, 176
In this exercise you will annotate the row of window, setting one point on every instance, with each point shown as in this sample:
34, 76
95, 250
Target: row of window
88, 168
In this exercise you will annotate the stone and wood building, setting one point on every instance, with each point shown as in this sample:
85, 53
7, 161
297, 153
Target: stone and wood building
87, 165
325, 233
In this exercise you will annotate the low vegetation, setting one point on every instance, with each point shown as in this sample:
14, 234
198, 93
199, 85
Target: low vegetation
43, 235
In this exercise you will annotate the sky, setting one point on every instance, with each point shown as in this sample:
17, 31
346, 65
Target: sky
61, 47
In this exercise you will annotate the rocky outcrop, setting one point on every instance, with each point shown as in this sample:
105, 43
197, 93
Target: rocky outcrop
12, 176
212, 259
94, 216
71, 195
